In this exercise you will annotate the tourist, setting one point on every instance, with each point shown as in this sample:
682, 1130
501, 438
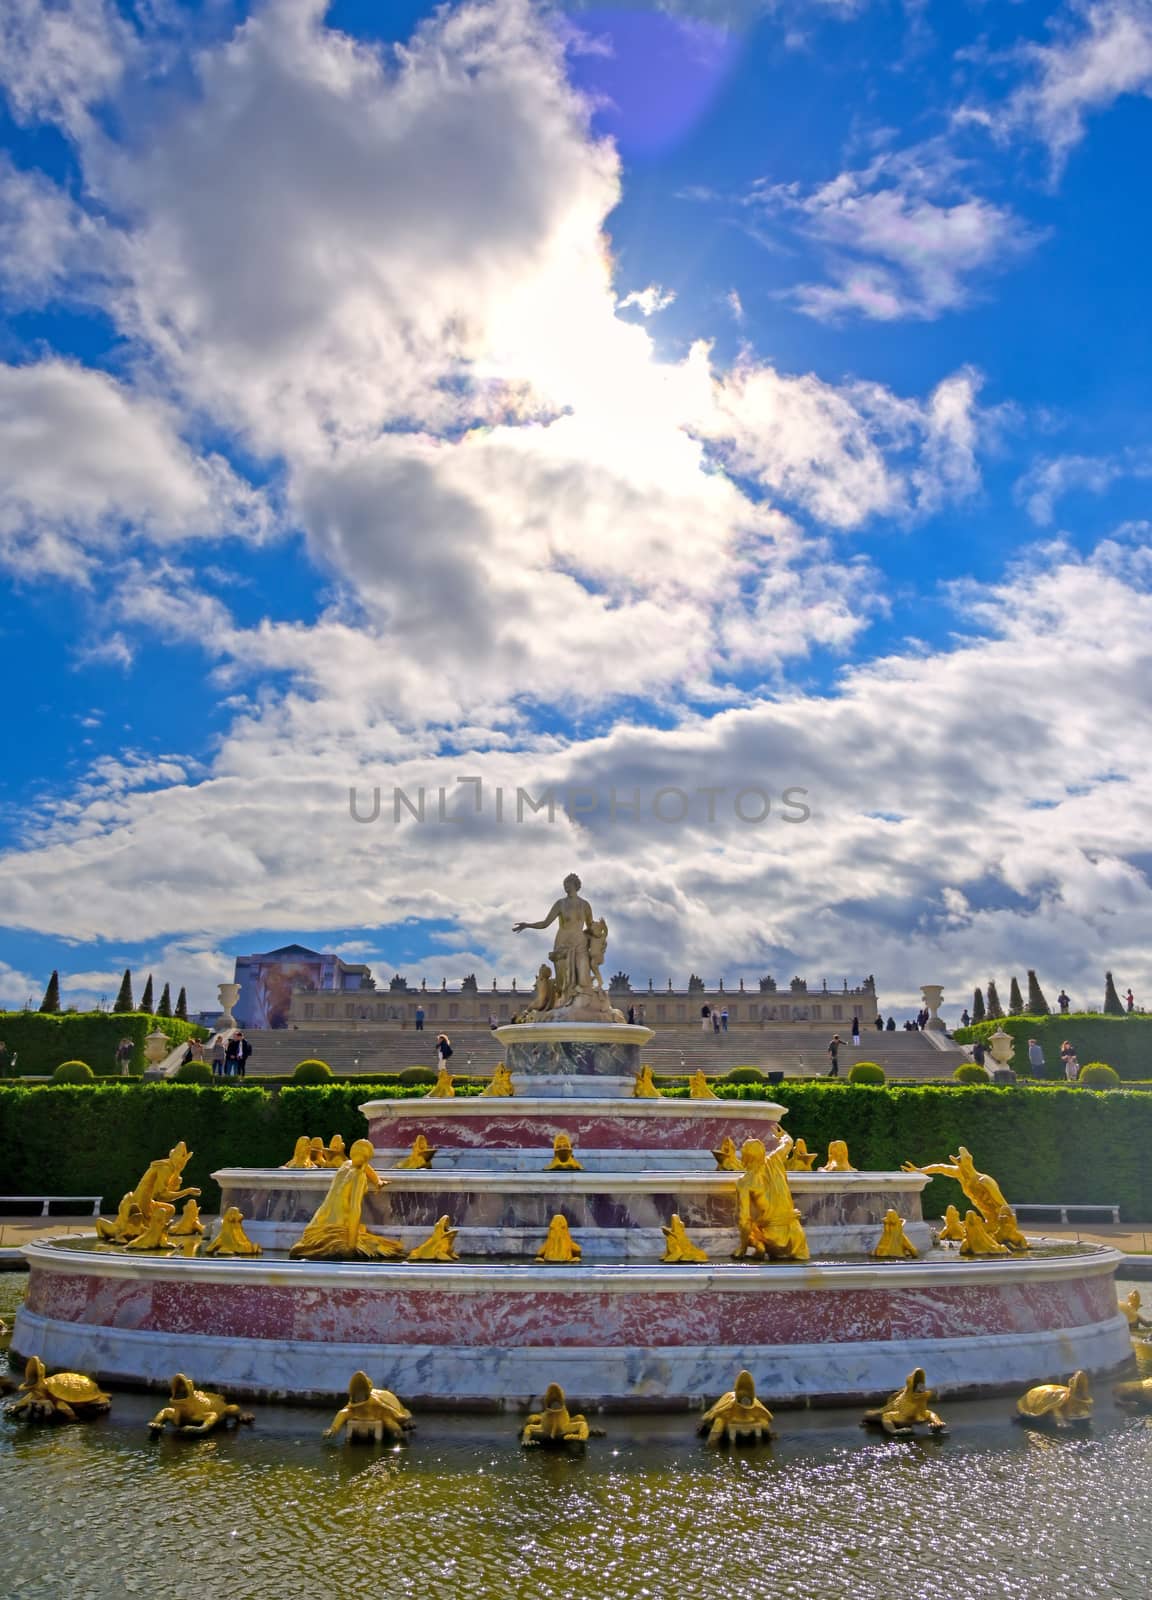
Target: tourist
419, 1019
631, 1016
443, 1049
1071, 1067
891, 1025
978, 1053
218, 1055
1063, 1001
1036, 1058
1066, 1051
879, 1024
705, 1017
856, 1032
715, 1022
965, 1019
834, 1055
236, 1055
492, 1023
1130, 1002
124, 1051
724, 1020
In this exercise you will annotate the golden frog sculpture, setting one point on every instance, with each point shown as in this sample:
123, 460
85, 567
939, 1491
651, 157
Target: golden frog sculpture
1059, 1405
316, 1152
499, 1085
444, 1088
419, 1157
440, 1245
678, 1246
301, 1156
699, 1088
161, 1182
894, 1244
1136, 1395
907, 1409
727, 1157
981, 1191
1007, 1231
768, 1221
563, 1156
371, 1414
232, 1240
189, 1225
128, 1223
838, 1160
1130, 1307
952, 1231
336, 1231
738, 1417
155, 1235
559, 1244
644, 1088
555, 1427
63, 1397
979, 1240
335, 1155
801, 1159
195, 1411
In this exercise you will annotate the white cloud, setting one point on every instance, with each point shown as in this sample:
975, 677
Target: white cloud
57, 61
647, 301
1048, 480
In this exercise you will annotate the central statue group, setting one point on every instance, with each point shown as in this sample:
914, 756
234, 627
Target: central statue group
572, 988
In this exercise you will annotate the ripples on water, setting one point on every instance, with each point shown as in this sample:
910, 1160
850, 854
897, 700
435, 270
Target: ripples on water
271, 1513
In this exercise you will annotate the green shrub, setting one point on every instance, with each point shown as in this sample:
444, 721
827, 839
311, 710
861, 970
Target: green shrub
193, 1072
1098, 1075
745, 1075
971, 1072
1124, 1042
40, 1040
414, 1075
73, 1072
866, 1072
312, 1072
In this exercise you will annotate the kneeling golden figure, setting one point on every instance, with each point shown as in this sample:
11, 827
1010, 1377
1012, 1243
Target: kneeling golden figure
801, 1159
232, 1240
301, 1155
444, 1088
952, 1232
335, 1155
155, 1235
1131, 1310
195, 1411
189, 1225
371, 1414
336, 1232
906, 1409
499, 1085
768, 1221
738, 1417
559, 1245
679, 1246
440, 1245
837, 1158
63, 1397
128, 1223
419, 1156
978, 1238
555, 1427
699, 1088
563, 1156
894, 1243
1057, 1404
644, 1088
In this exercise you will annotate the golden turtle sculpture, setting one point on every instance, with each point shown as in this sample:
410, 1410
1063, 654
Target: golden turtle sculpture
193, 1412
1058, 1405
1135, 1396
63, 1397
738, 1417
555, 1427
907, 1409
371, 1415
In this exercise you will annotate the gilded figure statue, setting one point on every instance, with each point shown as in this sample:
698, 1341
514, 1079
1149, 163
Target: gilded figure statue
727, 1157
336, 1231
979, 1240
738, 1417
499, 1085
317, 1152
559, 1244
801, 1159
301, 1156
440, 1245
981, 1191
894, 1244
1008, 1231
563, 1156
768, 1221
555, 1426
574, 989
371, 1415
189, 1225
838, 1160
1130, 1307
232, 1240
161, 1182
1057, 1404
63, 1397
699, 1088
194, 1412
1134, 1396
335, 1155
644, 1088
678, 1246
419, 1157
155, 1235
907, 1409
444, 1088
952, 1231
128, 1222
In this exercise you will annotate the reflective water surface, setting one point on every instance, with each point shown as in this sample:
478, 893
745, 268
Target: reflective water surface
649, 1514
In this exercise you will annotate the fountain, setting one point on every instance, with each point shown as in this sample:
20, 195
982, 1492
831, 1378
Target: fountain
591, 1263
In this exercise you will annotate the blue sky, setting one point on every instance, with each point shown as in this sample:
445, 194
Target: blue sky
648, 397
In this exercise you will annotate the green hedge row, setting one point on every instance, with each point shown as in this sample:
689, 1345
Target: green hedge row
41, 1041
1043, 1144
1125, 1043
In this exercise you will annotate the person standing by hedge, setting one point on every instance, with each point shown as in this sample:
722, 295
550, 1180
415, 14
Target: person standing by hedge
1063, 1001
124, 1051
236, 1055
1036, 1058
419, 1019
834, 1055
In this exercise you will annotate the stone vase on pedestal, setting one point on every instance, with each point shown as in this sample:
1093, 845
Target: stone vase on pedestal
156, 1047
933, 993
1002, 1047
229, 994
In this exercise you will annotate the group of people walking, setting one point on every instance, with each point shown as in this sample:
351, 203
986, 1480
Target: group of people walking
714, 1019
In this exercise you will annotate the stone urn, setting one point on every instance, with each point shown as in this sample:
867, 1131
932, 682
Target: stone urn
156, 1047
229, 994
933, 994
1001, 1047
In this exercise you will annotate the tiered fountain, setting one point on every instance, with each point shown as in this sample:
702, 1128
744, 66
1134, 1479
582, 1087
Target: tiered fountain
621, 1326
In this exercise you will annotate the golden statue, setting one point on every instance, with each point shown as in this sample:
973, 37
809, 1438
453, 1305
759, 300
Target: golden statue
801, 1159
727, 1159
953, 1230
981, 1191
1007, 1231
979, 1240
559, 1245
63, 1397
837, 1158
699, 1087
1131, 1309
301, 1155
1137, 1394
128, 1223
644, 1088
189, 1225
499, 1085
738, 1416
894, 1243
444, 1087
195, 1411
1061, 1404
555, 1427
335, 1155
678, 1246
231, 1240
440, 1245
155, 1235
563, 1156
317, 1152
370, 1414
906, 1409
419, 1157
768, 1220
161, 1182
336, 1232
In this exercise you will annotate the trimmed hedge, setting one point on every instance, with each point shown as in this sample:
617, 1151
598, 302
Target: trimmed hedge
1124, 1042
866, 1072
40, 1041
312, 1072
1099, 1075
73, 1072
972, 1072
193, 1072
743, 1075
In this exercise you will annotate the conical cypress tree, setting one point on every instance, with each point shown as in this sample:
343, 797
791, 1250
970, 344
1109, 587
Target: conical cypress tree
978, 1011
995, 1009
1015, 999
182, 1005
124, 997
51, 1000
146, 998
1113, 1006
1037, 1005
164, 1009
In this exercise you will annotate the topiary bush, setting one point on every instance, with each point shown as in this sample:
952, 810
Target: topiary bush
73, 1072
866, 1072
312, 1072
193, 1072
971, 1072
745, 1075
412, 1075
1098, 1075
